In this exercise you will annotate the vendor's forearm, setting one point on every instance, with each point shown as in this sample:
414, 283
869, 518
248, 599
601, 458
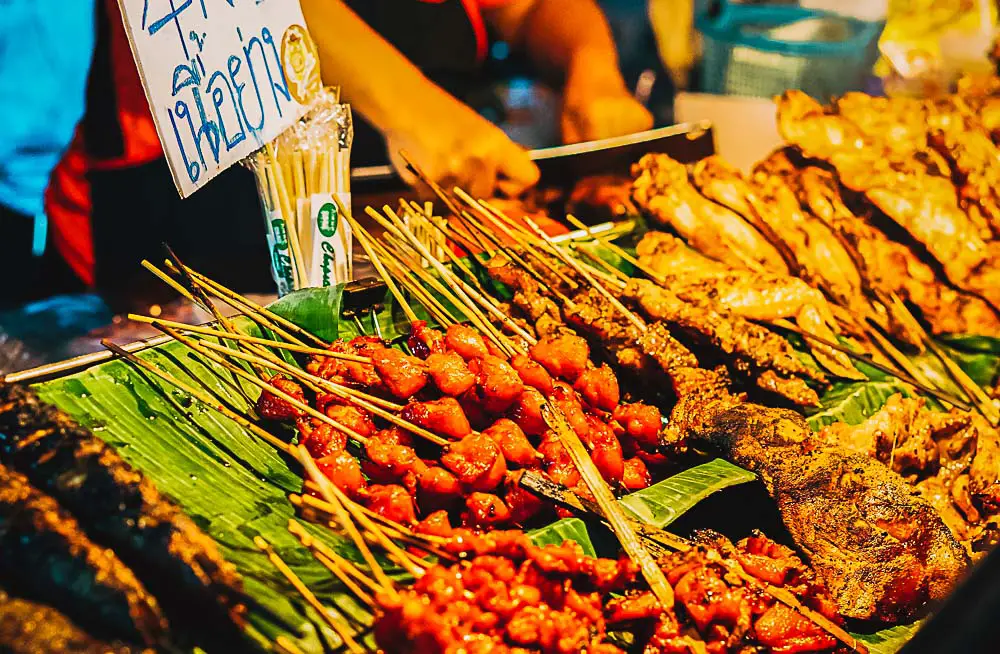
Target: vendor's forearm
374, 77
561, 36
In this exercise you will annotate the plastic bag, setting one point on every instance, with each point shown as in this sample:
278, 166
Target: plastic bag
303, 179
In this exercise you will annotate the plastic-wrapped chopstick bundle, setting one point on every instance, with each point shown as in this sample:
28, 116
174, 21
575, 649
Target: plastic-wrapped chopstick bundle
301, 178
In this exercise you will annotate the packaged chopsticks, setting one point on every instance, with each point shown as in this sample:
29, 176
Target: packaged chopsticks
303, 178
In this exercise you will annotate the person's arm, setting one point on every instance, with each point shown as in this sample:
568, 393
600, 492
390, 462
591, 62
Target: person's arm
571, 40
448, 140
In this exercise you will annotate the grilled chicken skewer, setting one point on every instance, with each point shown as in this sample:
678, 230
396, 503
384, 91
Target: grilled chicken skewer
755, 296
913, 195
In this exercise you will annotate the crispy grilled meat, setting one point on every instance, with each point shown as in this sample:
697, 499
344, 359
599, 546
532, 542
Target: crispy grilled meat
30, 628
894, 268
661, 188
45, 555
923, 203
121, 509
951, 457
754, 296
881, 549
750, 350
956, 132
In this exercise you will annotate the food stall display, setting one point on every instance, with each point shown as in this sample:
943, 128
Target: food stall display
526, 446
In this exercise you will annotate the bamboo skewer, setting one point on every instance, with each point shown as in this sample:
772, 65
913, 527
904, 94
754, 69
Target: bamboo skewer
575, 265
368, 402
484, 301
270, 388
202, 397
609, 505
336, 564
326, 490
260, 314
325, 612
866, 359
319, 383
499, 339
239, 336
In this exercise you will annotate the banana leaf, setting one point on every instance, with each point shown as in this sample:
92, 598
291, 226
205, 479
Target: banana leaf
235, 487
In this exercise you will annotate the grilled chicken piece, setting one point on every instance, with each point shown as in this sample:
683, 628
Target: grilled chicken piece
754, 296
30, 628
956, 132
881, 549
808, 248
925, 205
750, 350
45, 555
121, 509
662, 189
893, 268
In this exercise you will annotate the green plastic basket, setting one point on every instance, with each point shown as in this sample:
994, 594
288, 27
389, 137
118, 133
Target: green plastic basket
740, 58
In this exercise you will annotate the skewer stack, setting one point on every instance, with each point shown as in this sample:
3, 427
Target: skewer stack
301, 178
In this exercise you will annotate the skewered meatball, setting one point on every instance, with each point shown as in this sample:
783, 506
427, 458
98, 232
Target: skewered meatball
527, 412
436, 524
392, 502
599, 387
403, 375
437, 489
443, 416
485, 511
640, 421
352, 417
272, 407
466, 342
497, 383
450, 374
386, 463
423, 340
343, 469
477, 462
636, 476
523, 504
564, 356
606, 451
320, 438
532, 373
513, 443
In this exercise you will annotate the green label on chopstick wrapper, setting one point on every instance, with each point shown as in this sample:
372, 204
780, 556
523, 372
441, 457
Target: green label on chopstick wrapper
281, 261
326, 219
331, 242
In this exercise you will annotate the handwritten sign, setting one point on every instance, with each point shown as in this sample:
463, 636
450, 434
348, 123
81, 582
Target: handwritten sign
223, 77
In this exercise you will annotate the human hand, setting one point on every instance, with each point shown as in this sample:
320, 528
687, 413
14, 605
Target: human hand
597, 105
455, 146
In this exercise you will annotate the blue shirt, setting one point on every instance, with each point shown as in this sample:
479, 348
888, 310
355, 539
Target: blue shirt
45, 51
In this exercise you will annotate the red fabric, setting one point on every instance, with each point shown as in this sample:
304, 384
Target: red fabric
67, 205
67, 199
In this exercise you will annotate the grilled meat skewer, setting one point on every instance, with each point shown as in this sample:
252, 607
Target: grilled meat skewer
882, 550
30, 628
43, 554
121, 509
922, 202
755, 296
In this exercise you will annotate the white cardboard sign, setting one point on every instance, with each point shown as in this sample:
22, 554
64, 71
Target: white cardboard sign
223, 77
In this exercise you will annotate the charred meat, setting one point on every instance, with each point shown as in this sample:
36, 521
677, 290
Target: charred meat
45, 555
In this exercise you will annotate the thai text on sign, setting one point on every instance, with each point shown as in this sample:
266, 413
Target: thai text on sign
223, 77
